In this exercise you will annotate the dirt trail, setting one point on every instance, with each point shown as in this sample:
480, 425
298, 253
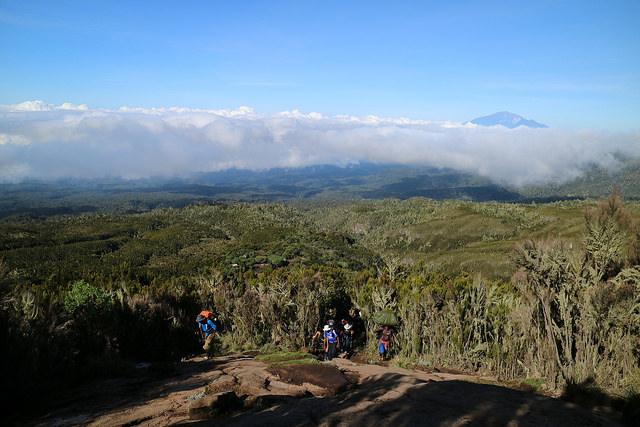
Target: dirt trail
377, 395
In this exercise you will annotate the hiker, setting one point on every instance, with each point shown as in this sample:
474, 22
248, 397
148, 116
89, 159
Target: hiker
317, 342
208, 329
341, 326
384, 339
359, 329
330, 341
346, 336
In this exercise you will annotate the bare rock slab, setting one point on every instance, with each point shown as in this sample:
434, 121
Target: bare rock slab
212, 405
220, 384
318, 379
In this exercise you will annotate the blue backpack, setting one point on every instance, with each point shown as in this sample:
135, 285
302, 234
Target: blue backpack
331, 336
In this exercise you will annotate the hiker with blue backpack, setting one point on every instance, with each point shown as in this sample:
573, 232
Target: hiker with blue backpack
207, 323
331, 342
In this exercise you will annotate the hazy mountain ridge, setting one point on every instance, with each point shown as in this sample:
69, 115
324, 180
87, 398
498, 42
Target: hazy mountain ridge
326, 182
508, 120
595, 182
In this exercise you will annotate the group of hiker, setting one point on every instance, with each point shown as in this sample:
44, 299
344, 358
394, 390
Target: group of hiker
334, 338
340, 339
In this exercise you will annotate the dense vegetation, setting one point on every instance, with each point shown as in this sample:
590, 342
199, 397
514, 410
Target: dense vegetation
549, 293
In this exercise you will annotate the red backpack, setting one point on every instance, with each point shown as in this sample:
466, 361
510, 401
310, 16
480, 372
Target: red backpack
207, 314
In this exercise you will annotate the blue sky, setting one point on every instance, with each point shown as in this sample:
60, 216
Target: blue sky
567, 64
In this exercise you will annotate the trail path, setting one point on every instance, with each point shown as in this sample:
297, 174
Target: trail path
356, 394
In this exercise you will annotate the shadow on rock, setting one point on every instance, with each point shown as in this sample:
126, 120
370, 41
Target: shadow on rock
399, 400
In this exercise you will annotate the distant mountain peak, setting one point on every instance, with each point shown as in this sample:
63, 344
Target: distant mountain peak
506, 119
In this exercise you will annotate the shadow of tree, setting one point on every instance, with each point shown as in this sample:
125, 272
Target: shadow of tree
391, 399
117, 394
398, 400
588, 395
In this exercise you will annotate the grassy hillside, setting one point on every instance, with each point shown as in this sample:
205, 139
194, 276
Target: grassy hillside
167, 243
452, 236
448, 236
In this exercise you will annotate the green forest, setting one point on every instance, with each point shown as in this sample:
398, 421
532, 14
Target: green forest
546, 294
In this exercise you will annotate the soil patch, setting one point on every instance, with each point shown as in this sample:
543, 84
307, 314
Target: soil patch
359, 358
325, 376
440, 369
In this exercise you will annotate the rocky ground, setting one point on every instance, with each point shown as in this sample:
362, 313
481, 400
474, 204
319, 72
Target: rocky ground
241, 391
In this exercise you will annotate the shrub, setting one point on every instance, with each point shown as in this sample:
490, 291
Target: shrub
87, 299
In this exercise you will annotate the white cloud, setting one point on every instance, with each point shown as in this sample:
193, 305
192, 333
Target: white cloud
30, 106
13, 139
41, 140
43, 106
73, 107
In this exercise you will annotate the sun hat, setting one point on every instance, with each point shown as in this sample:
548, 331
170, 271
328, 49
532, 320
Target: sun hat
326, 328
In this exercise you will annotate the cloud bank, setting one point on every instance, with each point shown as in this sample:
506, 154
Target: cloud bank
43, 141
